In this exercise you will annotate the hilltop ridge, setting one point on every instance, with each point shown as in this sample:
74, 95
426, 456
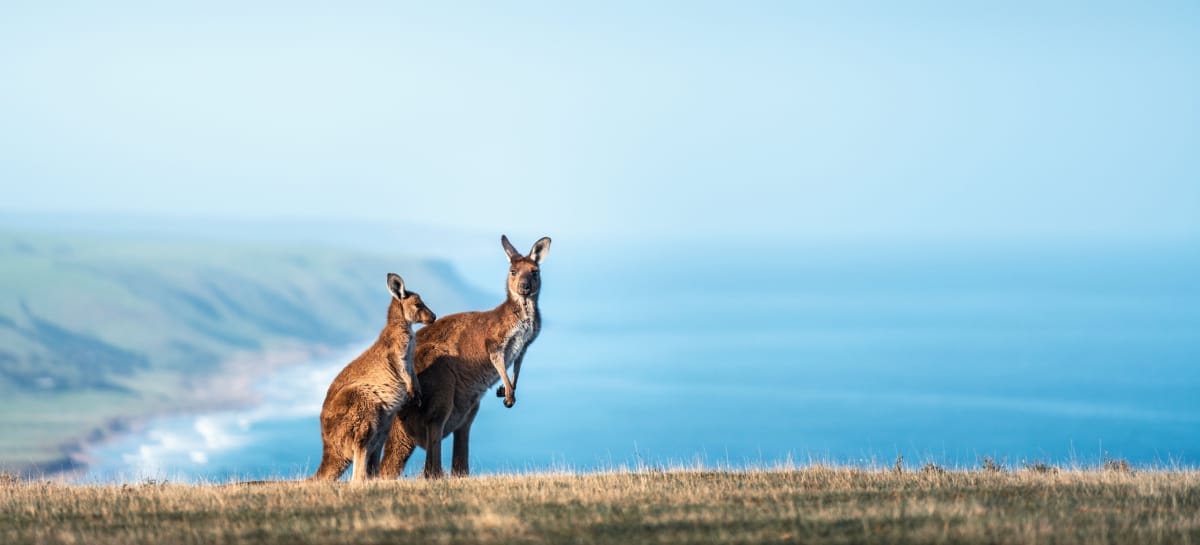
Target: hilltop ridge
788, 505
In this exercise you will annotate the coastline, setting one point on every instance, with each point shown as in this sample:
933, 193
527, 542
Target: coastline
229, 386
145, 326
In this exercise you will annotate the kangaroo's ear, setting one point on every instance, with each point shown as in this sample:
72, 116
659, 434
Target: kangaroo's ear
539, 250
513, 254
396, 286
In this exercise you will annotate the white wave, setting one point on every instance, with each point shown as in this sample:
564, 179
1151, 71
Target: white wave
184, 444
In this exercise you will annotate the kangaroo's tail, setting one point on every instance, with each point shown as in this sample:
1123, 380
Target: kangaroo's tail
332, 467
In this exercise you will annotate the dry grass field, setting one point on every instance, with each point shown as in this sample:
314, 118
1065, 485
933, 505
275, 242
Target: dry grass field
813, 505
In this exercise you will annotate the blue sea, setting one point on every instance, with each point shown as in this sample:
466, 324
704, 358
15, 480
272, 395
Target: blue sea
758, 354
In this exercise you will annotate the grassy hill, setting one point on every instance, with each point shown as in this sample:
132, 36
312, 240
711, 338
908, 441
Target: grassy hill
814, 505
95, 331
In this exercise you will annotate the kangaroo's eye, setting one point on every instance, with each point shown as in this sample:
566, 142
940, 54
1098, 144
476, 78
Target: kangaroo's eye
513, 272
535, 273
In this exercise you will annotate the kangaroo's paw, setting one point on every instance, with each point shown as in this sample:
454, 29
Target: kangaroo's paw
500, 392
509, 401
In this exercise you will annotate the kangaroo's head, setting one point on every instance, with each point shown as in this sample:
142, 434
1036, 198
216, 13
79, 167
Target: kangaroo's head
413, 309
524, 278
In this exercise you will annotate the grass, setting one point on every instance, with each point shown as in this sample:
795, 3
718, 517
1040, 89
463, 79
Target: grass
811, 505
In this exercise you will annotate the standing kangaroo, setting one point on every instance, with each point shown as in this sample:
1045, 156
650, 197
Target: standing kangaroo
458, 359
362, 401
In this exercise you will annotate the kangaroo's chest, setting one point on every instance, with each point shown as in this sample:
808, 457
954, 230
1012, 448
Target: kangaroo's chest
514, 340
518, 338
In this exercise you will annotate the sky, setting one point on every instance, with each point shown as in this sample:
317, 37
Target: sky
683, 119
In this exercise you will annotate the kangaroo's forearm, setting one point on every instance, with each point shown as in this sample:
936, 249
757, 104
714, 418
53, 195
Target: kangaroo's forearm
517, 371
502, 370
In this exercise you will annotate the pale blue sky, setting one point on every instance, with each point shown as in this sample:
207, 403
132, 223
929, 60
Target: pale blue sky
781, 119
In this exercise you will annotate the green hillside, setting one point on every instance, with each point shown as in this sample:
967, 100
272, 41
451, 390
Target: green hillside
95, 331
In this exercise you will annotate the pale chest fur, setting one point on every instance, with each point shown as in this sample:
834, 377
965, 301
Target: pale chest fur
518, 338
514, 341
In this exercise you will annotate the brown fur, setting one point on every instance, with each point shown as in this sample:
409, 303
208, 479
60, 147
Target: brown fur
458, 359
362, 401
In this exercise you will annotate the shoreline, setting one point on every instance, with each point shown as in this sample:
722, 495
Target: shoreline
229, 386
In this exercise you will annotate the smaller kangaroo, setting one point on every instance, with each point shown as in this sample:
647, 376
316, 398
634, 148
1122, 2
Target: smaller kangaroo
362, 401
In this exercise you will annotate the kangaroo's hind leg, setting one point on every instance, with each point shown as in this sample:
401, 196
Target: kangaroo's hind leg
460, 460
359, 473
399, 448
374, 458
362, 424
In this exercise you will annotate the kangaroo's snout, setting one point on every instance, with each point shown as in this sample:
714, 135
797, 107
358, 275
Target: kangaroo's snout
428, 317
524, 287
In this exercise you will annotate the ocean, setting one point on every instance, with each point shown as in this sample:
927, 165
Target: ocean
758, 355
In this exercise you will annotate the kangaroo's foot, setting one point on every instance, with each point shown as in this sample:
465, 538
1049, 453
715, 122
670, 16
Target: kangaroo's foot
510, 399
434, 475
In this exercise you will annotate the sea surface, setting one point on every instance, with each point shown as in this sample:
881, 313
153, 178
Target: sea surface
757, 355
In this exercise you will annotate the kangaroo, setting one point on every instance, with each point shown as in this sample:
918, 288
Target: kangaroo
362, 401
458, 359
